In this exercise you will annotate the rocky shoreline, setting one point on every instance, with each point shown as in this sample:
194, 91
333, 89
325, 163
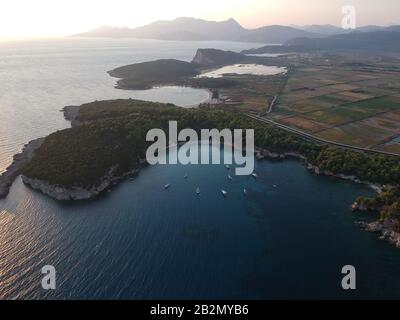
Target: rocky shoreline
79, 193
261, 154
386, 229
70, 114
19, 161
28, 151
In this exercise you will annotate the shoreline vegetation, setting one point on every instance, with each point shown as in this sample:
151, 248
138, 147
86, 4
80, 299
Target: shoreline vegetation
15, 168
319, 159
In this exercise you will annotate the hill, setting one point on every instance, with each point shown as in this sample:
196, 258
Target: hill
377, 41
148, 74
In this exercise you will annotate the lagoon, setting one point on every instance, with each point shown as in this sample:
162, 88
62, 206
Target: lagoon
244, 69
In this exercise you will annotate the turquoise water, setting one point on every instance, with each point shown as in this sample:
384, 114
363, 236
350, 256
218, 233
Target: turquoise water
141, 241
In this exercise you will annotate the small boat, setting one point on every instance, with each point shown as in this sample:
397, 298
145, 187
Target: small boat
167, 186
224, 193
131, 179
230, 177
245, 191
275, 186
227, 166
198, 191
186, 176
254, 175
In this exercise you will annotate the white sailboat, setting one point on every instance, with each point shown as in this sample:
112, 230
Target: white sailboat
224, 193
167, 186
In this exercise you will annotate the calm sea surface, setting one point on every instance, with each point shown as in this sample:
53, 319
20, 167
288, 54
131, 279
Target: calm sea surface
141, 241
39, 78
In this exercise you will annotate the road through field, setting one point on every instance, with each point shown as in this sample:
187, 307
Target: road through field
317, 139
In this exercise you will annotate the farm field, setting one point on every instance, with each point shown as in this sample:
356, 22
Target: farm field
253, 93
345, 102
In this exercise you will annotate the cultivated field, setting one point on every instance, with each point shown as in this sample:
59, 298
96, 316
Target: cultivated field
337, 99
253, 93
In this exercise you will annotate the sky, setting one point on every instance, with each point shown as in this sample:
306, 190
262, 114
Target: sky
44, 18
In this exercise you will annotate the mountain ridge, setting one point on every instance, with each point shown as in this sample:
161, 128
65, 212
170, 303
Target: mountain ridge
375, 41
191, 29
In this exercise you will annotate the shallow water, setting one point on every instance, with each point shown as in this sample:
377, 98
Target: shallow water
269, 55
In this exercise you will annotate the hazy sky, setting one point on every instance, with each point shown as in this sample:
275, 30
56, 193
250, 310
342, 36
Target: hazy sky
40, 18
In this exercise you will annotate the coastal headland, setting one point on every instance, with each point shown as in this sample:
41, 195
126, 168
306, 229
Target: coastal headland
19, 161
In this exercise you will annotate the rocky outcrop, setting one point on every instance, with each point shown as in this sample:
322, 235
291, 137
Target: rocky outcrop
71, 113
79, 193
215, 57
352, 178
360, 207
19, 161
261, 154
385, 228
60, 193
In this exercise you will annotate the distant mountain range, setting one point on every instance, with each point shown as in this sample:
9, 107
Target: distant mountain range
191, 29
329, 30
323, 30
377, 41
